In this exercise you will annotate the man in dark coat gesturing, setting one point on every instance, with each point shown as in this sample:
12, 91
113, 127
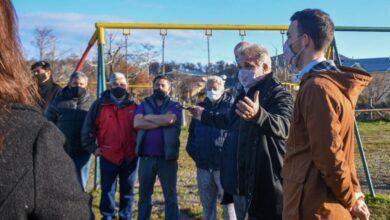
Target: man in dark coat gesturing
257, 126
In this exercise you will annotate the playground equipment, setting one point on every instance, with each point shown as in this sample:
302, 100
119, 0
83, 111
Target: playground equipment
98, 36
163, 34
208, 34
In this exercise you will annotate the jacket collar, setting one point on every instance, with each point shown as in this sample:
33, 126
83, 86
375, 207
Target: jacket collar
262, 84
208, 104
67, 94
350, 81
152, 101
49, 84
18, 106
107, 100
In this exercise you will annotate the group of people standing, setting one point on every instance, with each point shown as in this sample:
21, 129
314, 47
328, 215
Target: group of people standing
257, 152
282, 160
124, 135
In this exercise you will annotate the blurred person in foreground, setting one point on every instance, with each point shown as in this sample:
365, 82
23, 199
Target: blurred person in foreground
37, 178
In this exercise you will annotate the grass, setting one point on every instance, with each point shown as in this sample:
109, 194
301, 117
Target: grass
379, 206
376, 141
187, 189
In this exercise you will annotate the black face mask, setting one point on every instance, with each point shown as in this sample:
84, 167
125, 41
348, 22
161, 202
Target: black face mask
159, 94
41, 79
77, 92
118, 92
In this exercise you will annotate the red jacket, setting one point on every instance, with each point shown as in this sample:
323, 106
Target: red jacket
113, 129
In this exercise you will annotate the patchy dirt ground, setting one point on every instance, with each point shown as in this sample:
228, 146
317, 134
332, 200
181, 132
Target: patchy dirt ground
376, 142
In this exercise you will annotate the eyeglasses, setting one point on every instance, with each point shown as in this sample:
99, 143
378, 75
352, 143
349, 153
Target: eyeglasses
37, 72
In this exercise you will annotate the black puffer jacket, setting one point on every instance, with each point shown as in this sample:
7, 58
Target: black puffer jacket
68, 114
37, 178
205, 143
253, 151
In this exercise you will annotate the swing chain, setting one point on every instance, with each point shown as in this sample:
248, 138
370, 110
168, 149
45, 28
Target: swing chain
126, 33
208, 33
282, 33
242, 34
163, 34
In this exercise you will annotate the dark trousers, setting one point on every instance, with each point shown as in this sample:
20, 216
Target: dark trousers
109, 173
166, 170
82, 163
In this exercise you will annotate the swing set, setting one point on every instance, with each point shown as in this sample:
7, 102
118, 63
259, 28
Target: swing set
99, 37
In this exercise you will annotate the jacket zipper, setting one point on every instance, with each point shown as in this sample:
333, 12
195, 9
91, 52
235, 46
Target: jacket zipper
116, 110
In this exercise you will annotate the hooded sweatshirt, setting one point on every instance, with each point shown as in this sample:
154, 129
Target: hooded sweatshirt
319, 175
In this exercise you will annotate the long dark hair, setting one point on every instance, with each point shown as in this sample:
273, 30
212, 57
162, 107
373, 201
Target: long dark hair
16, 83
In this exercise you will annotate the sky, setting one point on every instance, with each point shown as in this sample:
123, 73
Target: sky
72, 22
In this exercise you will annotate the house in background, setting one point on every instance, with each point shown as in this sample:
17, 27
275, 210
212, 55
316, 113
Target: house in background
378, 91
370, 65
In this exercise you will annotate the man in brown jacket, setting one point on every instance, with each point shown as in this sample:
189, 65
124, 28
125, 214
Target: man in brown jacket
319, 174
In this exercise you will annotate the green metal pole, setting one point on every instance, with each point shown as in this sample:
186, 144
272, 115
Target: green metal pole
364, 161
336, 52
101, 86
357, 135
362, 29
101, 78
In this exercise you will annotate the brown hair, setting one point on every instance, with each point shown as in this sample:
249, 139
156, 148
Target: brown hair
158, 77
317, 24
17, 85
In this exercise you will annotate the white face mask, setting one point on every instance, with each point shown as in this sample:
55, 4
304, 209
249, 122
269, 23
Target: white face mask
290, 56
247, 78
214, 95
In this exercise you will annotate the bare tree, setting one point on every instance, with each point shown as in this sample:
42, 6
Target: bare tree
379, 87
44, 41
143, 55
114, 56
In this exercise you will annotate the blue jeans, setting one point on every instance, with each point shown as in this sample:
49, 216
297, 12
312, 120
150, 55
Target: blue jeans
82, 163
241, 206
166, 170
109, 173
211, 193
